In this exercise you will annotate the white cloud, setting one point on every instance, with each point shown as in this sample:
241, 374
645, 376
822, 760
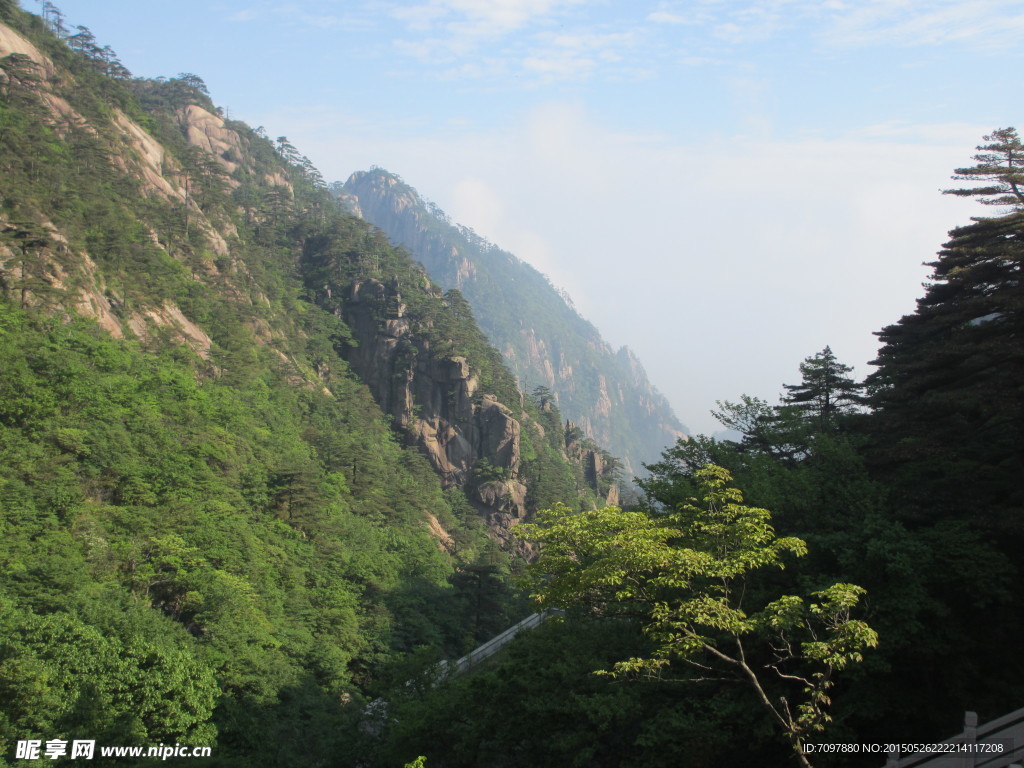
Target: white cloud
523, 33
476, 201
499, 16
950, 134
292, 13
332, 21
419, 17
663, 17
246, 14
990, 23
476, 19
533, 39
577, 55
994, 24
559, 66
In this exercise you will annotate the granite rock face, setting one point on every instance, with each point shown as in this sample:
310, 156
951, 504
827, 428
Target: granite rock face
435, 400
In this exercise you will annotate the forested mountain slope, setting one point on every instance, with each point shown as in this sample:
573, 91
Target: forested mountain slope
541, 336
250, 456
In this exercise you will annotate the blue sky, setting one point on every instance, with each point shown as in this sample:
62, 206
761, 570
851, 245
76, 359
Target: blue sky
724, 185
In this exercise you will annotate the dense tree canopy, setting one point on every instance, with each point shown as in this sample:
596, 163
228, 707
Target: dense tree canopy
691, 577
948, 392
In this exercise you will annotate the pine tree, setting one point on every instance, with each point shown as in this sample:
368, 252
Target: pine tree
1001, 161
25, 273
948, 394
826, 391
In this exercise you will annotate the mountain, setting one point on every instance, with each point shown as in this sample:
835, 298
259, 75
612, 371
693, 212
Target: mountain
544, 341
251, 457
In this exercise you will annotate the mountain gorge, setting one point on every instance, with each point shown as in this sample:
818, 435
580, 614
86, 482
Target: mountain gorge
261, 471
543, 339
250, 455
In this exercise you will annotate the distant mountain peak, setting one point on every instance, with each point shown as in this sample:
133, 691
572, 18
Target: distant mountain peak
532, 323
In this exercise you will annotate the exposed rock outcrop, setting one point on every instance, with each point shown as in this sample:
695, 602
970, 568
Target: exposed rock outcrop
12, 42
64, 272
168, 315
435, 400
206, 130
503, 503
600, 470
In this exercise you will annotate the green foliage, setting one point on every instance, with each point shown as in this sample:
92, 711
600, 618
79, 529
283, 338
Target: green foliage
62, 676
692, 578
958, 355
485, 472
538, 704
127, 480
547, 443
232, 535
826, 392
944, 441
226, 543
343, 250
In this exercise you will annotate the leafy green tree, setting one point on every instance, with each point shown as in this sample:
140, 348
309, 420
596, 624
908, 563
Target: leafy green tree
84, 41
542, 396
919, 500
812, 408
538, 704
205, 541
767, 430
22, 78
691, 578
194, 82
59, 675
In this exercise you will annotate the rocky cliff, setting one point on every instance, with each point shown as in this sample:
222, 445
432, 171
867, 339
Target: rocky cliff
542, 338
436, 401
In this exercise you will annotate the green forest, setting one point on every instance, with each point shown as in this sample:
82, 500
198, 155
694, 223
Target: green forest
259, 476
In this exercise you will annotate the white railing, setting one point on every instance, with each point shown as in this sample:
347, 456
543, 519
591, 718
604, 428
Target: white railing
483, 652
996, 744
375, 714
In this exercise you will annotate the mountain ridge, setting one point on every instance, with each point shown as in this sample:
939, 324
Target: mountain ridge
543, 338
